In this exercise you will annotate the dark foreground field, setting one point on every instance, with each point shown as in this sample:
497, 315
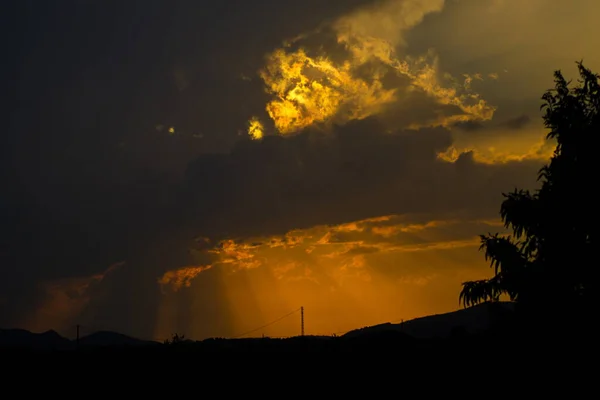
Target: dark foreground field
488, 330
368, 366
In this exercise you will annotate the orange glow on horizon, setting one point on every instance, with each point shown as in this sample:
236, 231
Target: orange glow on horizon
346, 276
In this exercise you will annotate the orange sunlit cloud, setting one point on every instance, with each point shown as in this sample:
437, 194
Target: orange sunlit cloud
181, 277
386, 234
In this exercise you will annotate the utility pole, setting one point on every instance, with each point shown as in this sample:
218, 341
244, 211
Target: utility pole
77, 340
302, 321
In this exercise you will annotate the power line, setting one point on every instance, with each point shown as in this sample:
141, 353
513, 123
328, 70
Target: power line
269, 324
79, 330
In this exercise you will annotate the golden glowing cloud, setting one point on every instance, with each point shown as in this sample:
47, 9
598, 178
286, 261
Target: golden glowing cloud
495, 148
311, 90
255, 128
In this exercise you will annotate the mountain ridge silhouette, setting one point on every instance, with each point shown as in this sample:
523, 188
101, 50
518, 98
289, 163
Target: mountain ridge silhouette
472, 320
51, 340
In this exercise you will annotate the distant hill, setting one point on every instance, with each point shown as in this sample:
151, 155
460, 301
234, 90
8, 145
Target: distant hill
107, 338
471, 320
20, 338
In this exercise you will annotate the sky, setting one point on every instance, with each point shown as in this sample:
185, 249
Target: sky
206, 167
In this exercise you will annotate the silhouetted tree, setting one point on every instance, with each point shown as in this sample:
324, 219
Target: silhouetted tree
548, 257
175, 339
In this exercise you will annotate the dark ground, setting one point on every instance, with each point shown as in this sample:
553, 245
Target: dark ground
502, 340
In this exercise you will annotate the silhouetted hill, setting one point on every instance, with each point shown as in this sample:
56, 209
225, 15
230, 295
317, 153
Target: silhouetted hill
20, 338
472, 320
429, 333
107, 338
51, 340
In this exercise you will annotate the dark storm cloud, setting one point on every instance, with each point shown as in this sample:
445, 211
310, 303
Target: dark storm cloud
470, 126
517, 123
89, 181
271, 186
358, 171
511, 124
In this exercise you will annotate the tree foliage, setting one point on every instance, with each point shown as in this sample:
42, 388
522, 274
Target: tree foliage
549, 254
175, 339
